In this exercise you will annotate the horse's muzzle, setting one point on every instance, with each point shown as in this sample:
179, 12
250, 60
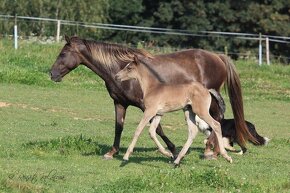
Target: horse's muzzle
55, 77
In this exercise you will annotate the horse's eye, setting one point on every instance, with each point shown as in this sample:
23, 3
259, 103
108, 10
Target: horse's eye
61, 54
129, 68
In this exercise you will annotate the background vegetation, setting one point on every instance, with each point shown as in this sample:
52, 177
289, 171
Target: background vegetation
245, 16
53, 135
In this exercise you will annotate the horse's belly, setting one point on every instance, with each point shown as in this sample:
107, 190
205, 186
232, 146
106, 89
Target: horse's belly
170, 106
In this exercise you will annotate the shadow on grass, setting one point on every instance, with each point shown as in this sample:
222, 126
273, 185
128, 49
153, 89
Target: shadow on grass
88, 146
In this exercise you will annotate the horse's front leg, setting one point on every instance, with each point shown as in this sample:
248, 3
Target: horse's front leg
120, 113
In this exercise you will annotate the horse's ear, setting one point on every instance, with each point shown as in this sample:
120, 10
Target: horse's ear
141, 58
67, 39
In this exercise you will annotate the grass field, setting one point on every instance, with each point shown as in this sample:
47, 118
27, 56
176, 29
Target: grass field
53, 136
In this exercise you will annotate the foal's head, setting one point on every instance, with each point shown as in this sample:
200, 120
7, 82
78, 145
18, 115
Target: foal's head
130, 71
67, 60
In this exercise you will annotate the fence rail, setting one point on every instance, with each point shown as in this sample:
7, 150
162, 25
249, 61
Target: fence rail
261, 38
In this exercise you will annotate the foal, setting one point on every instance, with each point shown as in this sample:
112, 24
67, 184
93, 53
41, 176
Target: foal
160, 98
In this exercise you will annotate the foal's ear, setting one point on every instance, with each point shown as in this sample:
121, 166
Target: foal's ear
67, 38
136, 59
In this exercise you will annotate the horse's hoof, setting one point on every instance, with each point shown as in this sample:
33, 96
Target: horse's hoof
208, 153
108, 156
210, 157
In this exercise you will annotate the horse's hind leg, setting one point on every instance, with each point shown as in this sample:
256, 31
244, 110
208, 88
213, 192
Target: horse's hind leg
152, 132
192, 131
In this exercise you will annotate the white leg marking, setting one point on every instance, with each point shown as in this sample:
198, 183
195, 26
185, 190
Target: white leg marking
202, 126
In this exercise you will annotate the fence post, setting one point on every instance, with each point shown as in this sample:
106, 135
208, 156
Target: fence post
58, 31
267, 51
260, 49
15, 33
226, 50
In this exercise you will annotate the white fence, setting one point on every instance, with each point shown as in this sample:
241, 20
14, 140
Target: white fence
262, 39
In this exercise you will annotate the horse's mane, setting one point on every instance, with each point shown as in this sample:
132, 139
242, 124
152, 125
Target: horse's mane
112, 54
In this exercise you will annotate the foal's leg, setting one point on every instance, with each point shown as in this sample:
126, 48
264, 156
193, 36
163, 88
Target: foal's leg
200, 105
217, 129
152, 132
212, 141
169, 144
192, 131
120, 113
208, 153
146, 118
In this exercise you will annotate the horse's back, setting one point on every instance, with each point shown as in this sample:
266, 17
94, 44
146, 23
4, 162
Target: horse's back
191, 65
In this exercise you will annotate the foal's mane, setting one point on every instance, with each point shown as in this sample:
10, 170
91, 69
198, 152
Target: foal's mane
111, 55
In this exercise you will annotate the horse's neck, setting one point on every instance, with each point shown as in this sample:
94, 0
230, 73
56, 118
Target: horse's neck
99, 65
104, 73
147, 80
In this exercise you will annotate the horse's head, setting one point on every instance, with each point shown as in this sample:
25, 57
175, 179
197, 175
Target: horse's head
130, 71
67, 60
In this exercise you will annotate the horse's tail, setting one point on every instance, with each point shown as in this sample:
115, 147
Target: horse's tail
220, 102
233, 87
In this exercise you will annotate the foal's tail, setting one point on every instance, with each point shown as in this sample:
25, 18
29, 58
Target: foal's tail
235, 94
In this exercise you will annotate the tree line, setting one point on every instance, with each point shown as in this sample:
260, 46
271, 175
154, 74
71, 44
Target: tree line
270, 17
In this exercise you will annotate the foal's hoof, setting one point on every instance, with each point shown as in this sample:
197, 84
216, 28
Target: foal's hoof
228, 158
173, 157
124, 163
176, 165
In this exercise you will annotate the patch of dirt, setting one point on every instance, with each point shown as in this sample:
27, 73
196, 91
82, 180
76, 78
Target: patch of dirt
3, 104
25, 106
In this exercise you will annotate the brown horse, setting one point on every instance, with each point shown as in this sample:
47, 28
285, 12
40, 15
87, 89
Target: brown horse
160, 98
106, 60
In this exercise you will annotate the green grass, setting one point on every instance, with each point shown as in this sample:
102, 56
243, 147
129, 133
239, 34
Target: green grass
53, 136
